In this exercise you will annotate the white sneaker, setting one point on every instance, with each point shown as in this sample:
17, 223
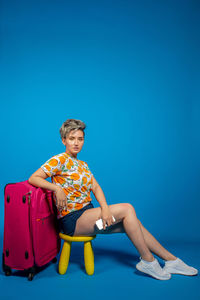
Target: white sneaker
153, 268
179, 267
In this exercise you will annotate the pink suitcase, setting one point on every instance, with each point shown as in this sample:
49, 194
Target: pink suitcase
30, 230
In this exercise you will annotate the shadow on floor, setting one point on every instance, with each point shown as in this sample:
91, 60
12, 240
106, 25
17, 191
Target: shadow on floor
77, 257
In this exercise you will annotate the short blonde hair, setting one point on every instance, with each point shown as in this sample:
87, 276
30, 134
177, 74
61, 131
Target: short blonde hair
69, 125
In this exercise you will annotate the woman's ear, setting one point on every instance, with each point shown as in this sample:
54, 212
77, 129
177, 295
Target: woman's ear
64, 141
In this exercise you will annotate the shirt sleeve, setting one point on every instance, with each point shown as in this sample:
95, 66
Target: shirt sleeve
86, 166
52, 166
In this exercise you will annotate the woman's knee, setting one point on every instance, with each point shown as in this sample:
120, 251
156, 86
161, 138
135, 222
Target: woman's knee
122, 209
129, 207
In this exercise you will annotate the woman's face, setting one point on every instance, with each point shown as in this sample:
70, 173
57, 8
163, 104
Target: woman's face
74, 142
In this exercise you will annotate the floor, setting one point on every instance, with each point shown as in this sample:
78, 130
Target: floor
115, 275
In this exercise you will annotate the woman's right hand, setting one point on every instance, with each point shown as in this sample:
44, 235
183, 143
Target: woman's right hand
61, 199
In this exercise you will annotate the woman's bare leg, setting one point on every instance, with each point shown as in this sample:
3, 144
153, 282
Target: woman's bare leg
122, 212
153, 245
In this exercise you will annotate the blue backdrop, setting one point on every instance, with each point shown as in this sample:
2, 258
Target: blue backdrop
130, 71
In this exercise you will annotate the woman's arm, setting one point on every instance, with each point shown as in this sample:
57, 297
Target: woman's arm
38, 179
99, 195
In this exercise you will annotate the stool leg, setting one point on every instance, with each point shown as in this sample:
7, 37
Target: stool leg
89, 258
64, 258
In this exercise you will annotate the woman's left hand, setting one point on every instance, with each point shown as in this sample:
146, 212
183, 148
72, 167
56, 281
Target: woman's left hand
106, 217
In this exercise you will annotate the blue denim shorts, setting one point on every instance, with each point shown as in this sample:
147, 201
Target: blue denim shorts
67, 224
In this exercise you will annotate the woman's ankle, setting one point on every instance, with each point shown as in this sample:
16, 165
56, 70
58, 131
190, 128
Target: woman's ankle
170, 258
148, 258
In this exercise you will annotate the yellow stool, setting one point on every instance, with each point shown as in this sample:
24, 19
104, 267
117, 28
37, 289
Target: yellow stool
66, 249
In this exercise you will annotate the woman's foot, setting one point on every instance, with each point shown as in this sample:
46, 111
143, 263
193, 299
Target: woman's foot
177, 266
153, 269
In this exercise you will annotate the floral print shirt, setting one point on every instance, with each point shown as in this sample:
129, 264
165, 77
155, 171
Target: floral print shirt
74, 177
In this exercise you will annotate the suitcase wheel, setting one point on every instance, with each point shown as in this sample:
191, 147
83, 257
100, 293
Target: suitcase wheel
31, 273
8, 272
30, 276
54, 260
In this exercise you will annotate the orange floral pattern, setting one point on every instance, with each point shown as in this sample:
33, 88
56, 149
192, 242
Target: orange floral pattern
74, 177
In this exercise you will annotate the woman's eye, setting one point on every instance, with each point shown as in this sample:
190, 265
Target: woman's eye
80, 140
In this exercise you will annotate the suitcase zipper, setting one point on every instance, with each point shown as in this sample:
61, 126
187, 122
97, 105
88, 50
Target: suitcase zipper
29, 196
30, 225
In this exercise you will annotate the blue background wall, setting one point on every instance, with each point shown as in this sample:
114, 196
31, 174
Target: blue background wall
130, 71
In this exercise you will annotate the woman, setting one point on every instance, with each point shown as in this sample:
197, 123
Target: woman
72, 183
